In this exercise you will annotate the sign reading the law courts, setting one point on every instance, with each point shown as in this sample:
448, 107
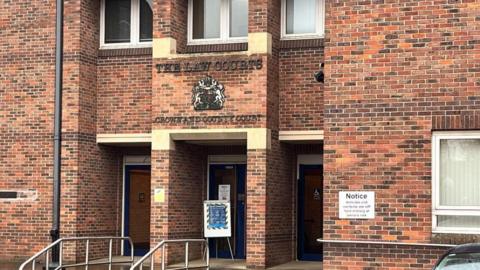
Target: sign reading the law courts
356, 204
216, 218
253, 64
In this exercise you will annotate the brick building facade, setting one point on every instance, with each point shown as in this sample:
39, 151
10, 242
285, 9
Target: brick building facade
401, 79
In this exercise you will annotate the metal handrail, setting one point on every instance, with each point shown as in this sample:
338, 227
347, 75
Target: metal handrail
47, 250
371, 242
163, 244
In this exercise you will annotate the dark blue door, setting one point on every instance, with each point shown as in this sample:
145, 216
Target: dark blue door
310, 212
234, 176
137, 208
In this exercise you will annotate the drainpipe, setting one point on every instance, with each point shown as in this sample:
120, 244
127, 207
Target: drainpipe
57, 143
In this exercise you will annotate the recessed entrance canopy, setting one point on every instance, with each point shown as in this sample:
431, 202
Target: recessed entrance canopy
211, 138
256, 138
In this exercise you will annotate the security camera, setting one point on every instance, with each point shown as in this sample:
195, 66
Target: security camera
319, 75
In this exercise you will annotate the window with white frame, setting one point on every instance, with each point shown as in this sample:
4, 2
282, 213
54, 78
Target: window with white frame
456, 182
217, 21
303, 18
126, 23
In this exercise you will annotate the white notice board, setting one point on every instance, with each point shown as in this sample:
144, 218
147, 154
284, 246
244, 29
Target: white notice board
224, 192
216, 219
356, 204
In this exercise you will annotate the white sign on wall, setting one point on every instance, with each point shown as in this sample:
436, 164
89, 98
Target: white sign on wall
356, 204
224, 192
217, 219
159, 195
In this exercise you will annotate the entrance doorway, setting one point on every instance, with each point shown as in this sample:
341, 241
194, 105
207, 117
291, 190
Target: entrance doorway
137, 208
229, 176
310, 212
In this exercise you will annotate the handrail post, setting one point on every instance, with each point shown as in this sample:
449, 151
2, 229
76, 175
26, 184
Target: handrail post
132, 252
60, 255
47, 260
33, 265
110, 254
86, 253
163, 256
186, 254
152, 262
208, 256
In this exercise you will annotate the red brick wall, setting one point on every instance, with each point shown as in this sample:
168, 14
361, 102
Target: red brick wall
182, 173
90, 180
280, 215
272, 21
301, 96
391, 68
124, 97
170, 20
256, 208
394, 72
26, 123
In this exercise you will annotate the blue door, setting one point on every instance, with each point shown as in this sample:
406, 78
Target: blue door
232, 175
137, 208
310, 212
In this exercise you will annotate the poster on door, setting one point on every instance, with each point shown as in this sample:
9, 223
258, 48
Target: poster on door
224, 192
217, 219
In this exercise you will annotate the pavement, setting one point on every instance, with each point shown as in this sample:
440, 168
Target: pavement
216, 264
10, 266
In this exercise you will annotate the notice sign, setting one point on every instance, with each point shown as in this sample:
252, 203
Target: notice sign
224, 192
356, 204
159, 195
217, 221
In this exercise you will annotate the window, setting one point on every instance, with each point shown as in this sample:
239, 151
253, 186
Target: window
456, 182
303, 18
217, 21
126, 23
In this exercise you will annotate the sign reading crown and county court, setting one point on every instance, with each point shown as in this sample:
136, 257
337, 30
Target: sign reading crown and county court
217, 219
356, 204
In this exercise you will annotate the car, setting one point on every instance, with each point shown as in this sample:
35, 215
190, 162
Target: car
462, 257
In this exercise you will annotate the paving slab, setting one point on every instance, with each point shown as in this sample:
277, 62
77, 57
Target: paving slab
215, 264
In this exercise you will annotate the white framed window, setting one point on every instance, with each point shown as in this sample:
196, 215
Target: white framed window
456, 182
125, 23
303, 19
217, 21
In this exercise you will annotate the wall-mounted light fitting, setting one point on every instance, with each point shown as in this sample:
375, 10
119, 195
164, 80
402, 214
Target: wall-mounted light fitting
319, 75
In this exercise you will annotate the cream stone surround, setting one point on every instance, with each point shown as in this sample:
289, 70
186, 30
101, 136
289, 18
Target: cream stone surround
258, 43
163, 139
257, 138
119, 138
301, 135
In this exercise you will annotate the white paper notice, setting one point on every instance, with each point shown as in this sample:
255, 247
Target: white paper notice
224, 192
356, 204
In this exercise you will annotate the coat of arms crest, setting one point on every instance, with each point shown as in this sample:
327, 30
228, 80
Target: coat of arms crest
208, 94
